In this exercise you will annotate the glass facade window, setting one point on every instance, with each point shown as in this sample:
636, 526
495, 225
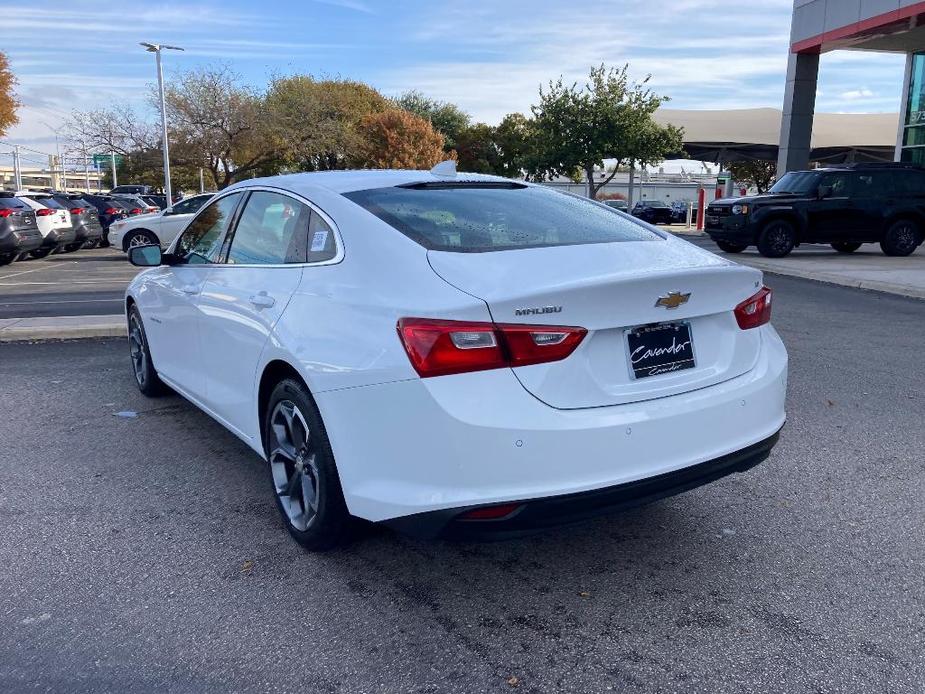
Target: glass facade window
913, 149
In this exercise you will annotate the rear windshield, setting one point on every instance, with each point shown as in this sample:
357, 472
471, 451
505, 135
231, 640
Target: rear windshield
46, 201
13, 203
653, 203
473, 218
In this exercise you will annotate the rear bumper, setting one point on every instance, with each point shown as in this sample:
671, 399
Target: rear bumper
21, 241
451, 443
59, 237
88, 232
538, 514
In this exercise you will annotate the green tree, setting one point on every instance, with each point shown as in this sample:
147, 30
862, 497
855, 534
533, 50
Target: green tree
477, 150
315, 124
576, 128
757, 173
8, 101
447, 119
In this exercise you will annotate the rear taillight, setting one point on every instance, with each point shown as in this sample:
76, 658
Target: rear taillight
755, 310
77, 210
135, 210
152, 209
4, 212
44, 212
442, 347
111, 210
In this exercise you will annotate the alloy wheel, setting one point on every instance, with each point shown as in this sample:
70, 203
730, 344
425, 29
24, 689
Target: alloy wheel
139, 240
904, 237
293, 464
136, 341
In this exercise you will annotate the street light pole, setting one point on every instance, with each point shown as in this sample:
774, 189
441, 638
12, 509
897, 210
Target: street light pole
156, 49
17, 169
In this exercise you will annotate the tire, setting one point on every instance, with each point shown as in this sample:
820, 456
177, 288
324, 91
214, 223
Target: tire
729, 247
7, 258
146, 377
300, 459
71, 247
777, 239
95, 243
902, 238
40, 253
845, 246
138, 237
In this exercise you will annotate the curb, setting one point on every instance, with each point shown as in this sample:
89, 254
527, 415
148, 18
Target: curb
61, 328
772, 268
870, 285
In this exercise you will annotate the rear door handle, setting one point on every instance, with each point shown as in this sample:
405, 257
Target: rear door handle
189, 289
262, 300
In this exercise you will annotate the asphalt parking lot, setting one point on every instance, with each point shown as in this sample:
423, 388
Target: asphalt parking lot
92, 282
145, 554
85, 283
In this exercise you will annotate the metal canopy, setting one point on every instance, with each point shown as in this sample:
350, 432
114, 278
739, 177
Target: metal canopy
750, 134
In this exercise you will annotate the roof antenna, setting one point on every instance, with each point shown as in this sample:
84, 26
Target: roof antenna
445, 168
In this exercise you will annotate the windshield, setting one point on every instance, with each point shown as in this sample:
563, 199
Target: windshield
654, 203
796, 182
473, 218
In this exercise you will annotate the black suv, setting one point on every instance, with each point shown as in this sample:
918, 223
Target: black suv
844, 206
652, 211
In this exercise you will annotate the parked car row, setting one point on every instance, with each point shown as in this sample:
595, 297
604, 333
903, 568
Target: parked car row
655, 211
34, 224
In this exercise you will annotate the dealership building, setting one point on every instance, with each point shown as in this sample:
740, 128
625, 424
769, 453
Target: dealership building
820, 26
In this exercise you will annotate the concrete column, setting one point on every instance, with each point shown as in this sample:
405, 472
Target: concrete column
796, 127
903, 108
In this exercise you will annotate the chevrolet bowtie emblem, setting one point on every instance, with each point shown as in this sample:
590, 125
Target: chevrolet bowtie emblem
672, 299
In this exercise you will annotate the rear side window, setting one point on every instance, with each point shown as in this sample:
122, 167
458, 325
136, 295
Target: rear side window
909, 182
473, 218
873, 184
272, 230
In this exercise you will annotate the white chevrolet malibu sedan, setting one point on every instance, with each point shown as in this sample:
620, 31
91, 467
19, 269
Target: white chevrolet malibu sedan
457, 355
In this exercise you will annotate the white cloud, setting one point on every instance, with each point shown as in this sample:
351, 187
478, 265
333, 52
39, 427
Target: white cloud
855, 94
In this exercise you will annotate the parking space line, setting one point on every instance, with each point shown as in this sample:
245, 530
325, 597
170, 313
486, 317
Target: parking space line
37, 269
55, 303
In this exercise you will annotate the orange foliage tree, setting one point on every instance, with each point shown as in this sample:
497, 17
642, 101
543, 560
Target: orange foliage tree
397, 139
8, 102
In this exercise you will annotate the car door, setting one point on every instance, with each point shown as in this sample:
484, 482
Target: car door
169, 294
832, 217
873, 195
244, 297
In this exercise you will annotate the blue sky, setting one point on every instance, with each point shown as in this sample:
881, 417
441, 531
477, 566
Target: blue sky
488, 56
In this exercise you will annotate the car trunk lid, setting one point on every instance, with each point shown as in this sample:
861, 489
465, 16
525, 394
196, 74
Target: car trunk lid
612, 290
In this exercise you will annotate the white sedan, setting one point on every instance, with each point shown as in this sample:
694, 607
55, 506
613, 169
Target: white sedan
457, 355
159, 228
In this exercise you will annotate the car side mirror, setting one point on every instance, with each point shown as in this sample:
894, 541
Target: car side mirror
145, 256
824, 192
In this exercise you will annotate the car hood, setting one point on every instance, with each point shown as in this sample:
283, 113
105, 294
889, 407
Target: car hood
755, 199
